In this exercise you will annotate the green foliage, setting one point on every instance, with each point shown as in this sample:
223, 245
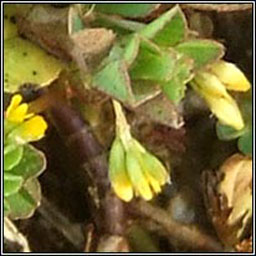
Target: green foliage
202, 52
12, 156
12, 183
176, 86
159, 53
23, 203
114, 80
168, 30
127, 10
22, 164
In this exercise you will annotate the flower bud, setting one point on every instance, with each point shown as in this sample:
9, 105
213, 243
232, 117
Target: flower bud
230, 75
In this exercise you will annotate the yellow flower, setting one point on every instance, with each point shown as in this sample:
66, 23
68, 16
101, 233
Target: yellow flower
212, 85
28, 127
17, 112
132, 169
230, 75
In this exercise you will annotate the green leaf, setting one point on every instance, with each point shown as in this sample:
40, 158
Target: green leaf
153, 66
23, 203
175, 88
245, 143
25, 62
127, 10
167, 30
125, 49
12, 183
75, 23
227, 133
32, 164
202, 51
132, 48
12, 155
114, 80
6, 208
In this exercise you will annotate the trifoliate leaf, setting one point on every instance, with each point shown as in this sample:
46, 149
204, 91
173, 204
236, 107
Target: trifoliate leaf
25, 62
23, 203
201, 51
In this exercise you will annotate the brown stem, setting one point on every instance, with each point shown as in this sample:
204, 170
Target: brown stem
187, 235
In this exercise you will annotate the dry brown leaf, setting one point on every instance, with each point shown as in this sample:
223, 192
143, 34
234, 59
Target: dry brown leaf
237, 187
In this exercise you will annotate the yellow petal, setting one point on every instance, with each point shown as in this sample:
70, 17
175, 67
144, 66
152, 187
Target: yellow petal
226, 110
230, 75
117, 172
32, 129
154, 184
17, 112
136, 175
208, 83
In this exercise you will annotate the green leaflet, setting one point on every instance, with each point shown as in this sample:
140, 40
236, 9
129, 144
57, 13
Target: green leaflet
167, 30
12, 183
23, 203
175, 88
201, 51
12, 155
153, 65
114, 80
32, 164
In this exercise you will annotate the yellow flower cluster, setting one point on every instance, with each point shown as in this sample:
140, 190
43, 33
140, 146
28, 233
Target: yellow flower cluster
213, 84
28, 127
132, 169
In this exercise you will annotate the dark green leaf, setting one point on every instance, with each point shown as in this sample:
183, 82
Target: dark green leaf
114, 80
12, 183
225, 132
12, 155
202, 52
23, 204
245, 143
167, 30
32, 163
127, 10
